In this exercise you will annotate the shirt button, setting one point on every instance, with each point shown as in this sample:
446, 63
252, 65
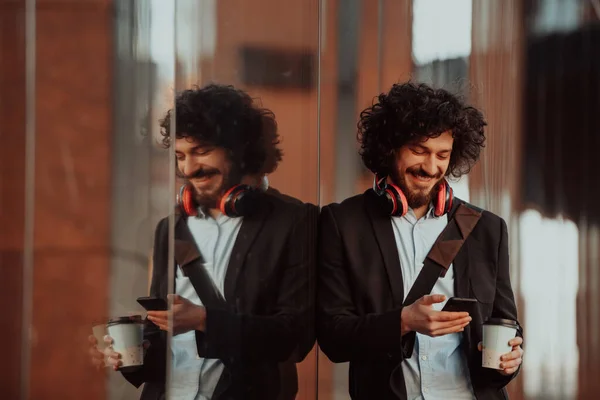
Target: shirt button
424, 358
424, 390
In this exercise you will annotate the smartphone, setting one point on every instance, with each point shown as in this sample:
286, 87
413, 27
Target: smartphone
457, 304
153, 303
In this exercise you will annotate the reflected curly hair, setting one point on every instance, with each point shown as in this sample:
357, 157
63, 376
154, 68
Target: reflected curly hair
413, 112
226, 117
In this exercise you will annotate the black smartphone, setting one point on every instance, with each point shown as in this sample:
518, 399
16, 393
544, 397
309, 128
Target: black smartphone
153, 303
457, 304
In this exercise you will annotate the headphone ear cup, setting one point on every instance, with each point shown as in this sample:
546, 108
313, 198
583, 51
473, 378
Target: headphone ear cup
237, 201
186, 201
444, 199
449, 197
399, 204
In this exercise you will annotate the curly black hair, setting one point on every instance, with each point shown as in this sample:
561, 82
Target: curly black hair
223, 116
411, 112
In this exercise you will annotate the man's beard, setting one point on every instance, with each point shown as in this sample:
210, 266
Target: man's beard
210, 199
417, 198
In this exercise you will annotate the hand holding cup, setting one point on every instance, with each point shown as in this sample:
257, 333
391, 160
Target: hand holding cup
501, 350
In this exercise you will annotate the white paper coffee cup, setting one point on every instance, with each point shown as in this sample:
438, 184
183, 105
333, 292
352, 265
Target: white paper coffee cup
99, 331
128, 336
497, 333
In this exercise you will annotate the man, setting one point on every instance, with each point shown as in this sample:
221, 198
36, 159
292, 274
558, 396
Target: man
234, 337
412, 138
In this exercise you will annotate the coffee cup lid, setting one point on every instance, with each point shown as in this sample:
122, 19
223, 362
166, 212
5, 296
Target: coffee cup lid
100, 320
132, 319
509, 323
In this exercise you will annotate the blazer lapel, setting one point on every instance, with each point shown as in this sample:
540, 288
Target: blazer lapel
461, 269
382, 226
461, 261
462, 288
185, 249
160, 261
462, 285
246, 236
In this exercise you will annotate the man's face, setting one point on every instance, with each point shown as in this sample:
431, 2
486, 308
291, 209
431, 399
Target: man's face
207, 169
421, 166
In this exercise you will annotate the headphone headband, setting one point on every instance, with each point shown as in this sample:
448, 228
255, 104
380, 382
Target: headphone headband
377, 184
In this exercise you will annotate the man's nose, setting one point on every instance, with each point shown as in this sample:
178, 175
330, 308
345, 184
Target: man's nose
430, 166
185, 167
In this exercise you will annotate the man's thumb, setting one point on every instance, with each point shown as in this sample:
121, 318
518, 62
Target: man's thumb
432, 299
175, 298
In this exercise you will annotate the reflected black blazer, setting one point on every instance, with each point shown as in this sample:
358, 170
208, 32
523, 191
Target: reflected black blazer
360, 295
269, 322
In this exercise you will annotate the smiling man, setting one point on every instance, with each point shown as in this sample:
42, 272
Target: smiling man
239, 328
373, 248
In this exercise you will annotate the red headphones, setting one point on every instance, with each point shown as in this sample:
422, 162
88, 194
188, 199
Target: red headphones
398, 205
236, 202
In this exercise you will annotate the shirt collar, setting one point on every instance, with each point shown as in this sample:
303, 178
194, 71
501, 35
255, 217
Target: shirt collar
204, 215
430, 213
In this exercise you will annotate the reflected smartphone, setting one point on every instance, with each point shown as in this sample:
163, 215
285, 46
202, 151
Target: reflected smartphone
153, 303
457, 304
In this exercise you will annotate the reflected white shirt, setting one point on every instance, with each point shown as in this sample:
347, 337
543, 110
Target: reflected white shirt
195, 378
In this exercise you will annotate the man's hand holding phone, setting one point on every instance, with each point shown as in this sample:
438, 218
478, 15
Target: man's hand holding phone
422, 318
186, 316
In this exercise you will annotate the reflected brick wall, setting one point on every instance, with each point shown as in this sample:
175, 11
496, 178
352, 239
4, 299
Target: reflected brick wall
12, 188
72, 194
385, 58
274, 25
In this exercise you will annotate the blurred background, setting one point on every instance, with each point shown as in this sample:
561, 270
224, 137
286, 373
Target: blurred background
83, 180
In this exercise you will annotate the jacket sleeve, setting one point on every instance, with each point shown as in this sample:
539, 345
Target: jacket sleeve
154, 368
343, 335
504, 306
288, 331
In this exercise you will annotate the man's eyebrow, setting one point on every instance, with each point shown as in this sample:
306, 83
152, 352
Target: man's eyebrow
425, 148
202, 147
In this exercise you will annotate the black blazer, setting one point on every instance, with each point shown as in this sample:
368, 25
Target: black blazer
360, 295
268, 323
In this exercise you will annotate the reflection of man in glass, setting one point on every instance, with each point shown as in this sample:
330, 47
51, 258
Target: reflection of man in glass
373, 247
254, 244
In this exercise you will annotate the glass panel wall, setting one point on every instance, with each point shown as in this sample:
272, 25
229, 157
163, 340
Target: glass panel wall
86, 94
92, 183
14, 80
91, 163
236, 63
365, 48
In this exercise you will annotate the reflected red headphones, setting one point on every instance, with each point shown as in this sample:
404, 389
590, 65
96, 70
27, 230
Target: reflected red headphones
397, 203
236, 202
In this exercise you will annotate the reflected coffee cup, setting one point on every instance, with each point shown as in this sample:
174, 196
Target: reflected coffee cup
127, 334
497, 333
